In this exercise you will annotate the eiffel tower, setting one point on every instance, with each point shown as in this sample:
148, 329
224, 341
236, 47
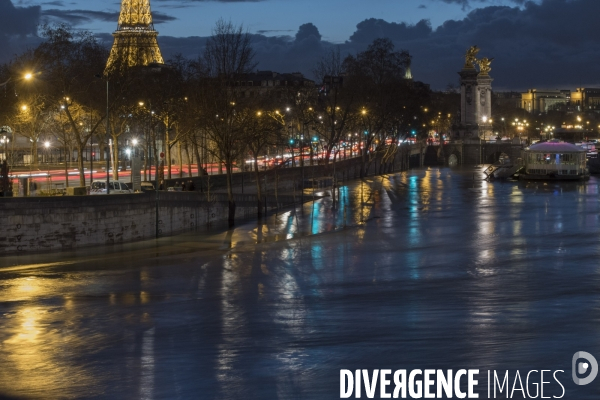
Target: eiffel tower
135, 38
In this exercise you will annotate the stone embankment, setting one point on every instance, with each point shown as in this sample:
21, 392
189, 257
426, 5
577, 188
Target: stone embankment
38, 224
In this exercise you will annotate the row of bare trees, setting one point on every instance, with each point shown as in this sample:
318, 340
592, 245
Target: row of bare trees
192, 105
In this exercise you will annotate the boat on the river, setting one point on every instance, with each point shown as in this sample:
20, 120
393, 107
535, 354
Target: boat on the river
555, 160
503, 169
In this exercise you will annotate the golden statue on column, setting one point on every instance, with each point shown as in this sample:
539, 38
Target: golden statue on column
484, 65
470, 57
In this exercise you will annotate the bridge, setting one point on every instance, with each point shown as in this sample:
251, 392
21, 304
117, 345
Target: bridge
460, 152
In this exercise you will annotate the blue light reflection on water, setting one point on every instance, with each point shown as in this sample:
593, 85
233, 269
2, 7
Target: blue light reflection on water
434, 270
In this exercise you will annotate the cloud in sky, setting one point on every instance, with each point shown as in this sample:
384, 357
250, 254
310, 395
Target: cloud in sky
18, 26
79, 17
18, 20
466, 4
545, 44
537, 45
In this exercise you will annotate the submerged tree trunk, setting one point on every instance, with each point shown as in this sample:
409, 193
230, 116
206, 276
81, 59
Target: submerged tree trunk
363, 163
259, 204
232, 205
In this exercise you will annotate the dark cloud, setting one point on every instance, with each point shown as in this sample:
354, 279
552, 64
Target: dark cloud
308, 32
370, 29
466, 4
545, 44
549, 44
18, 20
78, 17
463, 3
18, 28
264, 31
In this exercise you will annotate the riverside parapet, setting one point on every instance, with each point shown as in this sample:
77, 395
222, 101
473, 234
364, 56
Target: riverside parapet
39, 224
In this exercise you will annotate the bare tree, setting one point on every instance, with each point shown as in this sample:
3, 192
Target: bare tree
378, 76
262, 126
30, 121
334, 111
228, 55
66, 63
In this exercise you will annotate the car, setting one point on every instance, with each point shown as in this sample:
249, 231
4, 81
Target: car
116, 187
147, 186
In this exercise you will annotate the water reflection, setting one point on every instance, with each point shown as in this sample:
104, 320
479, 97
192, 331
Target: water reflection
426, 268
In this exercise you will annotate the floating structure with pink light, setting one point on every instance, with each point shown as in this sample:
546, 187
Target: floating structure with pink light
555, 160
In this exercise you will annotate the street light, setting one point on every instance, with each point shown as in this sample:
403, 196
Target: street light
5, 141
27, 77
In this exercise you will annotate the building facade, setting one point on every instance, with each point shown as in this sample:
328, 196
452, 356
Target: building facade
540, 101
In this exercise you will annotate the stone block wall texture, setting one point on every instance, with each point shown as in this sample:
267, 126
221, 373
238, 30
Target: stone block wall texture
40, 224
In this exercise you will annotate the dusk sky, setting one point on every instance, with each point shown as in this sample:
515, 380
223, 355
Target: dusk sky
536, 44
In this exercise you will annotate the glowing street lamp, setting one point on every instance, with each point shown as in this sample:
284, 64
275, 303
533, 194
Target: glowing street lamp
47, 151
5, 141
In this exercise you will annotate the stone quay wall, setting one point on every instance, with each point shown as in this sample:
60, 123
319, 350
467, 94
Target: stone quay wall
41, 224
38, 224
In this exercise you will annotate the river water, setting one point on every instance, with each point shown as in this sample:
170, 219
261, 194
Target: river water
431, 268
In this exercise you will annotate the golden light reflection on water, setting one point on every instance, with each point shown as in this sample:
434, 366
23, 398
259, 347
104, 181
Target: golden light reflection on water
35, 355
24, 288
29, 329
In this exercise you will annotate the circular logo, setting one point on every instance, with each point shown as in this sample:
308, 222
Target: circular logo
581, 368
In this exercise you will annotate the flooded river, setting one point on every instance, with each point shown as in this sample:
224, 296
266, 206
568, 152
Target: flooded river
427, 269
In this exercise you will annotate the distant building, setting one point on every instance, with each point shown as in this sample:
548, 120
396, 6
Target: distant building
586, 99
540, 101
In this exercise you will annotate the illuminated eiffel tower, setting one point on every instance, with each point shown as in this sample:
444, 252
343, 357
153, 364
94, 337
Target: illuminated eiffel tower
135, 38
